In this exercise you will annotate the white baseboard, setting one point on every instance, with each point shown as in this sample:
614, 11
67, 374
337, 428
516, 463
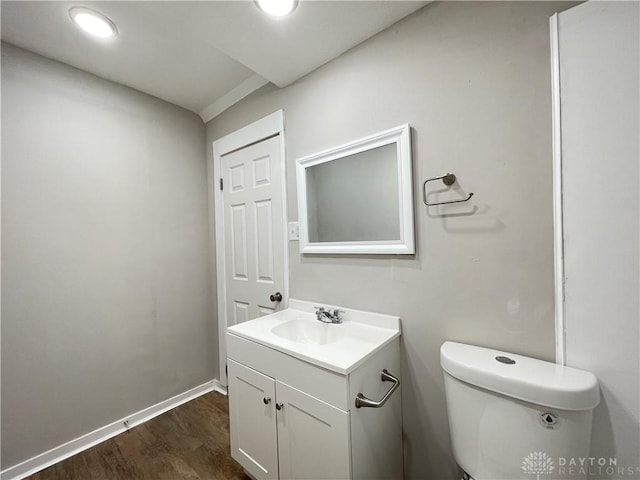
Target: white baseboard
77, 445
219, 387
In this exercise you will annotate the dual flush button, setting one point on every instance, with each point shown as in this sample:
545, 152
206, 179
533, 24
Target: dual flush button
549, 420
506, 360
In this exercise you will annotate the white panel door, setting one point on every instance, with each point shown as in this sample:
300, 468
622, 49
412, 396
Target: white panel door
600, 121
252, 415
313, 437
253, 225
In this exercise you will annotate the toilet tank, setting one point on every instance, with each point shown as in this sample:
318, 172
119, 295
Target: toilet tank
514, 417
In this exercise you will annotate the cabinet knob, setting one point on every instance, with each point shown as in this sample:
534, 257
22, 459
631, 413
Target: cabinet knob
266, 400
279, 406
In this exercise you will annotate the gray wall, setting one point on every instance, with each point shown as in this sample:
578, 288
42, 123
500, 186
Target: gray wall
473, 80
106, 300
599, 71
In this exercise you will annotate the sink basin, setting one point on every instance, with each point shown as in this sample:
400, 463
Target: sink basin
309, 331
336, 347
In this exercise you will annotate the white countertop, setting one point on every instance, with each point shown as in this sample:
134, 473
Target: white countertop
348, 345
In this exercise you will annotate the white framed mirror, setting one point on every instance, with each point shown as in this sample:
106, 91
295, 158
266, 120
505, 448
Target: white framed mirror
358, 198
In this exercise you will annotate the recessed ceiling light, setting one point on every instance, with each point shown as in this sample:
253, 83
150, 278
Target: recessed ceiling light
277, 8
93, 22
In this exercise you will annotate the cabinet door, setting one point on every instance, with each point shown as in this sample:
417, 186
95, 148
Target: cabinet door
254, 443
313, 437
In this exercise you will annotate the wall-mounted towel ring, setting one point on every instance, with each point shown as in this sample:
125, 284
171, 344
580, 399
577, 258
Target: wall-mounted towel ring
448, 179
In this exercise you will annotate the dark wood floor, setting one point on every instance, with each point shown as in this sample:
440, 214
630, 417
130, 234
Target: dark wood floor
189, 442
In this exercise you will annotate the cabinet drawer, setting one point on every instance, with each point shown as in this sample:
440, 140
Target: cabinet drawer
327, 386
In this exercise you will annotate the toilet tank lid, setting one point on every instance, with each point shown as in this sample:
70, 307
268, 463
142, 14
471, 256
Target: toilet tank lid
524, 378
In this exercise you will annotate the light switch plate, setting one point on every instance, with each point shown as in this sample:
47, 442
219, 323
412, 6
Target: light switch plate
294, 231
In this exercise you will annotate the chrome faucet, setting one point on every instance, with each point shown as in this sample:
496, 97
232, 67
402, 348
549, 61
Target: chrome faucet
329, 316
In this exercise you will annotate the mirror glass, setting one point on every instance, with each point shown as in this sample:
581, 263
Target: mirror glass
356, 198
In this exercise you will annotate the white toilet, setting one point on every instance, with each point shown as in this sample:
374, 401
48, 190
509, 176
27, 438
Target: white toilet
513, 417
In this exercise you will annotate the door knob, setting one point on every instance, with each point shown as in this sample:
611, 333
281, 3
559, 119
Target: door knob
275, 297
279, 406
266, 400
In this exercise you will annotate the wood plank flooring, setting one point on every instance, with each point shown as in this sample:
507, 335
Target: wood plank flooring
189, 442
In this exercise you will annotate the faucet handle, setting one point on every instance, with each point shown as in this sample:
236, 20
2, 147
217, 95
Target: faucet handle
338, 314
319, 309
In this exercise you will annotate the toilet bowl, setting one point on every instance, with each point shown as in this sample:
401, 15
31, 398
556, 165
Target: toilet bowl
513, 417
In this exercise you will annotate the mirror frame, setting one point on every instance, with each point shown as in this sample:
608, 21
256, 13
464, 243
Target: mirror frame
405, 245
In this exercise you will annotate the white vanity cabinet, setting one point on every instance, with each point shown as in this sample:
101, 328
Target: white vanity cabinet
278, 431
291, 419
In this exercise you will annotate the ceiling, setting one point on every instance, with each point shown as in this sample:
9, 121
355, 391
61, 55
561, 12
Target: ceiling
201, 55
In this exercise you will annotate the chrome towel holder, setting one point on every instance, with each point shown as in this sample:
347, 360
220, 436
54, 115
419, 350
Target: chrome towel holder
448, 179
385, 376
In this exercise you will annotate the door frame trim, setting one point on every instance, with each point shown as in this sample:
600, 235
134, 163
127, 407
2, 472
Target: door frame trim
266, 127
558, 225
